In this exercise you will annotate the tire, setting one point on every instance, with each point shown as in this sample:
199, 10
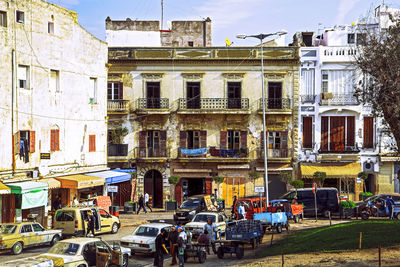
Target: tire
55, 239
287, 226
202, 256
125, 261
17, 248
397, 216
82, 265
364, 216
220, 253
279, 229
114, 228
239, 252
296, 218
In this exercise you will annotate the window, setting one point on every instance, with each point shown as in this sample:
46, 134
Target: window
190, 43
114, 91
152, 143
351, 38
26, 228
153, 94
23, 76
307, 82
368, 132
92, 143
193, 139
93, 91
346, 185
3, 18
20, 16
233, 140
338, 133
234, 95
307, 132
37, 228
277, 144
324, 81
193, 100
360, 38
274, 95
54, 81
50, 27
55, 140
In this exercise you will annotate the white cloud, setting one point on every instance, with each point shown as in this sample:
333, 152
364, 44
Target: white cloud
345, 6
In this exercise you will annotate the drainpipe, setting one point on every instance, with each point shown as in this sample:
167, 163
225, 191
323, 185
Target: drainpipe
204, 33
12, 109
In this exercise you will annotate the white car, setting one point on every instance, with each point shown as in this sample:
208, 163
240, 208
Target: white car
29, 262
196, 226
87, 252
143, 238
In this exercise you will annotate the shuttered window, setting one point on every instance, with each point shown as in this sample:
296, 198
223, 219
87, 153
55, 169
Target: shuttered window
324, 133
55, 140
338, 133
92, 143
368, 132
307, 132
32, 140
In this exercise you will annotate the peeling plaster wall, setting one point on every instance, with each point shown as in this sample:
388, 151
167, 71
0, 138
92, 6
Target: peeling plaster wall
77, 56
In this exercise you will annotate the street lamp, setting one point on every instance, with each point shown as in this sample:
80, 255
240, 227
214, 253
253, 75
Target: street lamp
261, 37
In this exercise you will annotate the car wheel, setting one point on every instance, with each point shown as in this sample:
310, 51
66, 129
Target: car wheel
364, 216
55, 239
114, 228
125, 261
17, 248
220, 253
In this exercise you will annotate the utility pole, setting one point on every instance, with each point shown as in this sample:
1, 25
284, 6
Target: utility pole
162, 14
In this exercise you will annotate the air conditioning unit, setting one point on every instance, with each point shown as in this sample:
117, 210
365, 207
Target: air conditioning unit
368, 166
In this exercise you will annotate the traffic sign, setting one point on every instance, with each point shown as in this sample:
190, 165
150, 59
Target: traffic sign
112, 189
259, 189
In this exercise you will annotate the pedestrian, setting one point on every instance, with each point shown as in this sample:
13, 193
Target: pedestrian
141, 205
203, 238
390, 204
173, 243
75, 202
216, 193
182, 239
233, 205
57, 203
160, 248
241, 211
212, 230
90, 223
147, 202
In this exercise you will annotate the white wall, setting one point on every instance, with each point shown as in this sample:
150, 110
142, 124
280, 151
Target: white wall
127, 38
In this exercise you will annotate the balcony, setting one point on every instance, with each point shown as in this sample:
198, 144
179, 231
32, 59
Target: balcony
338, 54
228, 153
276, 153
275, 106
151, 153
117, 152
214, 105
153, 105
338, 148
118, 106
330, 99
307, 98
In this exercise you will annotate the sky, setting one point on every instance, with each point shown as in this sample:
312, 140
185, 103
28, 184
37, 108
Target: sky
229, 17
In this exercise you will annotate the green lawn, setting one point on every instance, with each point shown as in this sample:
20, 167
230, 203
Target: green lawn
338, 237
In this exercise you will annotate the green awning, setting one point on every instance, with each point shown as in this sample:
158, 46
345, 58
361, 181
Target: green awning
26, 187
33, 194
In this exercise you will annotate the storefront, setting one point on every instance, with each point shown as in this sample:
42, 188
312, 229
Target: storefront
31, 197
121, 180
7, 204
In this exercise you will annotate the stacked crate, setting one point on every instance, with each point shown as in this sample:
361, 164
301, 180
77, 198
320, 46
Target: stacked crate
244, 230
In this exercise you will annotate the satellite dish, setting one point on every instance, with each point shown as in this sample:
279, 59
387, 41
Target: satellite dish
227, 42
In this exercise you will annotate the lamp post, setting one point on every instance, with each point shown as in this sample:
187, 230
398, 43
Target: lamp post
261, 37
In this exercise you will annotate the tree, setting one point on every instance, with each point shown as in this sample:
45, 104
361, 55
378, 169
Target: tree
218, 180
364, 177
286, 177
319, 178
297, 184
173, 180
378, 60
118, 134
253, 175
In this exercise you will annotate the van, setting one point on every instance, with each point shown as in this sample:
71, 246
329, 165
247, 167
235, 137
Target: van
73, 220
251, 205
327, 200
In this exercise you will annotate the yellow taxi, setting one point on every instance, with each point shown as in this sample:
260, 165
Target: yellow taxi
17, 236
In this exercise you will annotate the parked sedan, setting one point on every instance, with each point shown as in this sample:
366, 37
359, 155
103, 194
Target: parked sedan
143, 238
196, 226
87, 252
29, 262
17, 236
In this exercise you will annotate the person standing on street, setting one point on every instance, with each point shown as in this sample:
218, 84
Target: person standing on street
212, 230
233, 205
90, 223
141, 205
160, 248
182, 239
241, 212
390, 204
173, 243
146, 200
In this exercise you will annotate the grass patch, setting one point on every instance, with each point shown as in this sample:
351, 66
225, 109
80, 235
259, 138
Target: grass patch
339, 237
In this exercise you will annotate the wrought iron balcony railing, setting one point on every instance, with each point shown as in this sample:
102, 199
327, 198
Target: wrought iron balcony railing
276, 153
214, 103
338, 99
117, 150
275, 103
228, 153
117, 105
307, 98
338, 147
153, 103
150, 152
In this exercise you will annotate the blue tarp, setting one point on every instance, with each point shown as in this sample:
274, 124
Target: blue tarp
194, 152
111, 177
123, 170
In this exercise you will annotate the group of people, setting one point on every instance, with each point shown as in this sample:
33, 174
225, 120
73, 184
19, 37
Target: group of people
144, 202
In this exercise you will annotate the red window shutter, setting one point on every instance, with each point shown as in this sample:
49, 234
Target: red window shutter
92, 143
178, 193
223, 139
121, 91
208, 186
32, 140
368, 132
324, 133
182, 139
57, 140
17, 137
337, 133
163, 143
243, 140
351, 131
307, 132
52, 140
142, 144
203, 139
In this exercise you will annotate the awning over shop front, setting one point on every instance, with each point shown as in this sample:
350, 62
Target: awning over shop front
284, 167
111, 177
53, 183
332, 170
33, 194
4, 189
26, 187
80, 181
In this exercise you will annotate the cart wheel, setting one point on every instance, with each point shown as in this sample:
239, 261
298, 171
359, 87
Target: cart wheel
397, 216
279, 229
296, 218
287, 226
220, 253
364, 216
202, 256
239, 252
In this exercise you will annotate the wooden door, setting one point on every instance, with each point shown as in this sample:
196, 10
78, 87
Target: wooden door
234, 95
337, 133
275, 95
8, 208
153, 94
307, 132
368, 132
193, 95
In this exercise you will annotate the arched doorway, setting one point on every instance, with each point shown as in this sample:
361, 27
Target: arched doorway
153, 185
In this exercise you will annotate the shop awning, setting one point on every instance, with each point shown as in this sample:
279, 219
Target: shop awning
332, 170
111, 177
79, 181
284, 167
4, 189
53, 183
28, 186
33, 194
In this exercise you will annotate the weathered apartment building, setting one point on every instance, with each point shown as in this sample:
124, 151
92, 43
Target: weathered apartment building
52, 110
196, 112
338, 134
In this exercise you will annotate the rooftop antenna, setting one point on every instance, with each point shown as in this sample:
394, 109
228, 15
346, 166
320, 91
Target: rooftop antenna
162, 14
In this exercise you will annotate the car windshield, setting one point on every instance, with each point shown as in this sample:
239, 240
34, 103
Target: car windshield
190, 204
8, 228
64, 248
146, 231
204, 218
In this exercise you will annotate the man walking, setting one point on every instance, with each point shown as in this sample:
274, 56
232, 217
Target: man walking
141, 205
173, 243
160, 249
212, 230
90, 223
390, 204
146, 200
182, 239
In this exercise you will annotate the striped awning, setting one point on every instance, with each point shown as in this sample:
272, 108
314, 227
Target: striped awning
53, 183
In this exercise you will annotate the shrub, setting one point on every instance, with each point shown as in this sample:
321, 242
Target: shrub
297, 184
347, 204
366, 194
219, 179
173, 179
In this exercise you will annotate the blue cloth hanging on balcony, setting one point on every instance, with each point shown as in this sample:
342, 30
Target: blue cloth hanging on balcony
194, 152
